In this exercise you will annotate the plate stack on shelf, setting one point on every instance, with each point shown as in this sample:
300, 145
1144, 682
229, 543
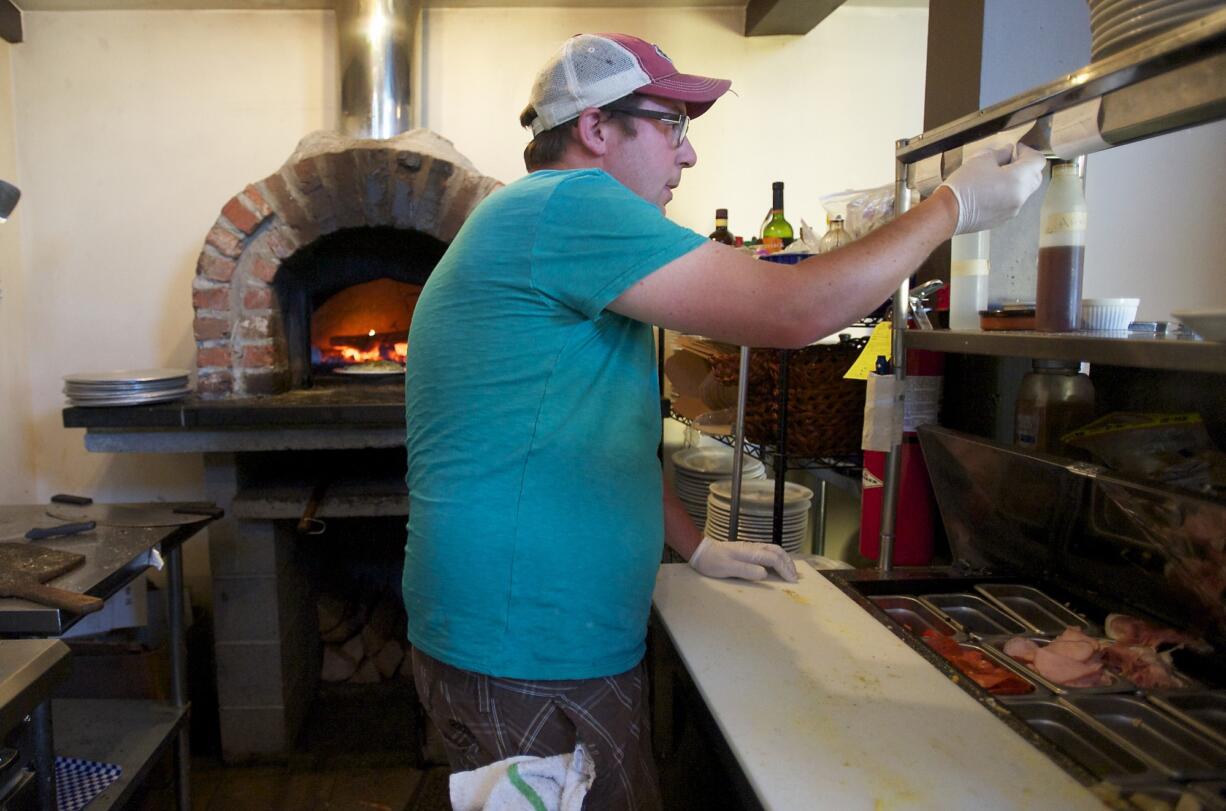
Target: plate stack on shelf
128, 387
694, 469
1119, 24
757, 510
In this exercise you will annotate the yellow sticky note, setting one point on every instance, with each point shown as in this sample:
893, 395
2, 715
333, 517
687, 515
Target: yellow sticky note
879, 343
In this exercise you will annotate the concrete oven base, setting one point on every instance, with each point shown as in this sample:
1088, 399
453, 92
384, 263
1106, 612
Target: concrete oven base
266, 639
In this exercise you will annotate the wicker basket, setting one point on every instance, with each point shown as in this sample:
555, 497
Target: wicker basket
825, 411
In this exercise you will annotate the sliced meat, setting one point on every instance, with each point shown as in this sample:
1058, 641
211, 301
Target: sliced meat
1063, 670
1077, 650
1143, 666
1021, 649
1131, 630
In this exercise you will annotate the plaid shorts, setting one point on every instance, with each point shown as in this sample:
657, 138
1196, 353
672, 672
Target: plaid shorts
484, 719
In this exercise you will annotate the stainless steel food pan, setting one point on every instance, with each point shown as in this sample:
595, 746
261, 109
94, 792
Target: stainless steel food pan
1115, 682
1211, 795
1099, 753
913, 615
1176, 748
1037, 690
1204, 711
1036, 608
975, 614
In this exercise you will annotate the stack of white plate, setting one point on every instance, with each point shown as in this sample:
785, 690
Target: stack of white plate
757, 512
1119, 24
695, 468
128, 387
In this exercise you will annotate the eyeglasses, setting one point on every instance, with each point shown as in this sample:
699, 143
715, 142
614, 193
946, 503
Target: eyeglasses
679, 121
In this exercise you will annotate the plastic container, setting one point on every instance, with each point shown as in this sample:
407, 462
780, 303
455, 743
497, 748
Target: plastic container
1062, 249
1108, 314
1054, 398
968, 279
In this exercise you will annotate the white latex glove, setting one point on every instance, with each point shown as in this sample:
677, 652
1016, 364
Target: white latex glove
991, 188
742, 559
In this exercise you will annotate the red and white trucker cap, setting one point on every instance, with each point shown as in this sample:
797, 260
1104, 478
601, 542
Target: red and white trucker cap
592, 70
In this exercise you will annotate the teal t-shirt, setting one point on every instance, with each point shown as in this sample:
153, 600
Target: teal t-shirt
535, 517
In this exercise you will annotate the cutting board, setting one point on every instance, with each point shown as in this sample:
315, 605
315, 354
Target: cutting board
25, 568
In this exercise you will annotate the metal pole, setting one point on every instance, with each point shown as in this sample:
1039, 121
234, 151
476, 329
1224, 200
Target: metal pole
738, 448
178, 672
902, 300
781, 452
819, 542
44, 756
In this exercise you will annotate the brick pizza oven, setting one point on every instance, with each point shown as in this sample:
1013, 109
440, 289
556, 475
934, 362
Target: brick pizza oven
248, 330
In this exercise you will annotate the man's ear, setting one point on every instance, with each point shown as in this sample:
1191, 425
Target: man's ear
592, 132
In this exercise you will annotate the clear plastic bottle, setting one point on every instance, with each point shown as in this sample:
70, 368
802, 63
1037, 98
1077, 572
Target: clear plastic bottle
1054, 398
968, 279
836, 235
1062, 250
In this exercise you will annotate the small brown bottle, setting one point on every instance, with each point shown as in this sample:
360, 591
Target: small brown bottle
721, 232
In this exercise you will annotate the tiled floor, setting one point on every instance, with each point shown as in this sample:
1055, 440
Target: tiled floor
317, 787
358, 751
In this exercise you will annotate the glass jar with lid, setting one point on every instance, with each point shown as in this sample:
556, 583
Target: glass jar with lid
1055, 398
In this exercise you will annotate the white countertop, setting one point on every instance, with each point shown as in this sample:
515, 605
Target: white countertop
824, 707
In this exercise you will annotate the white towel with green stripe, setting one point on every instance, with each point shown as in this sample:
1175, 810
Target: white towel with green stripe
557, 783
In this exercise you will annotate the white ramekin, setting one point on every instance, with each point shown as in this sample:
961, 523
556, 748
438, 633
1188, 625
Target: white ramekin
1105, 314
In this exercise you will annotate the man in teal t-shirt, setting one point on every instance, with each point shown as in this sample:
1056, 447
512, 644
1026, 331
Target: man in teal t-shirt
538, 512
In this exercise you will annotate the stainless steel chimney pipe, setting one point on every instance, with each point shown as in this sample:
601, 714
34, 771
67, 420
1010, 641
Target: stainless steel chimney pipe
375, 43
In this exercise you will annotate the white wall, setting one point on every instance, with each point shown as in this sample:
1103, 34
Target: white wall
1157, 210
820, 112
16, 436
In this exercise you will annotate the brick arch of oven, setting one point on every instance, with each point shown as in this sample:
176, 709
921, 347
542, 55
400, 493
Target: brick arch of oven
241, 348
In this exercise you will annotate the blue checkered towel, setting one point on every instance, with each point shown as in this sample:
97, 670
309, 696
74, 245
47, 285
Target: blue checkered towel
77, 781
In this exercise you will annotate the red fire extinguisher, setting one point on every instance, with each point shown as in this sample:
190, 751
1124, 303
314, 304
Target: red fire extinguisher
914, 525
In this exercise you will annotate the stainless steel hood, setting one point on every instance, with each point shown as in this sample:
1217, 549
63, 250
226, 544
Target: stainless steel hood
375, 45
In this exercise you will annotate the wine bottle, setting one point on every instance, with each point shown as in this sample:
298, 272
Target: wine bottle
721, 232
776, 231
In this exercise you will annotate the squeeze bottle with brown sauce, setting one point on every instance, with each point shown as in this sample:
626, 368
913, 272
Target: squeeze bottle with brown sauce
1062, 249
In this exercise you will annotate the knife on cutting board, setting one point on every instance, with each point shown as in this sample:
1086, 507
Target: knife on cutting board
25, 569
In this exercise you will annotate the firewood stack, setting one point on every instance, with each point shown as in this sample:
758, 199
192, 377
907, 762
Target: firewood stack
364, 640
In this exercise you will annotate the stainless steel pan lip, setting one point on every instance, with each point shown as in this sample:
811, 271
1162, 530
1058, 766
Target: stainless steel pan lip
996, 646
961, 608
1169, 792
1176, 749
1182, 704
903, 608
1035, 608
1082, 741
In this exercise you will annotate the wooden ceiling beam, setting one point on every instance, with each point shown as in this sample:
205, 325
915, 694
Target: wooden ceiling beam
767, 17
10, 21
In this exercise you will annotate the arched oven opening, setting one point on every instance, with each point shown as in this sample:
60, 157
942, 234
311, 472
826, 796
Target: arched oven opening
347, 300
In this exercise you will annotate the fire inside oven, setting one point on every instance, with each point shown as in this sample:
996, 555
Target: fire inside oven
347, 300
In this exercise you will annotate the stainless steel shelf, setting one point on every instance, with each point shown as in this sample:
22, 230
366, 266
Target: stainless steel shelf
1174, 354
1171, 81
130, 733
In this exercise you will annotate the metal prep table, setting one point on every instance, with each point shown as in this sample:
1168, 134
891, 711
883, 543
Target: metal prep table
130, 733
29, 670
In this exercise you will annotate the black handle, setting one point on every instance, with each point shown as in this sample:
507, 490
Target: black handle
200, 508
65, 498
39, 533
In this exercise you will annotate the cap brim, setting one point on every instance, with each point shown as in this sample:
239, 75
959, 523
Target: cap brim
698, 92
